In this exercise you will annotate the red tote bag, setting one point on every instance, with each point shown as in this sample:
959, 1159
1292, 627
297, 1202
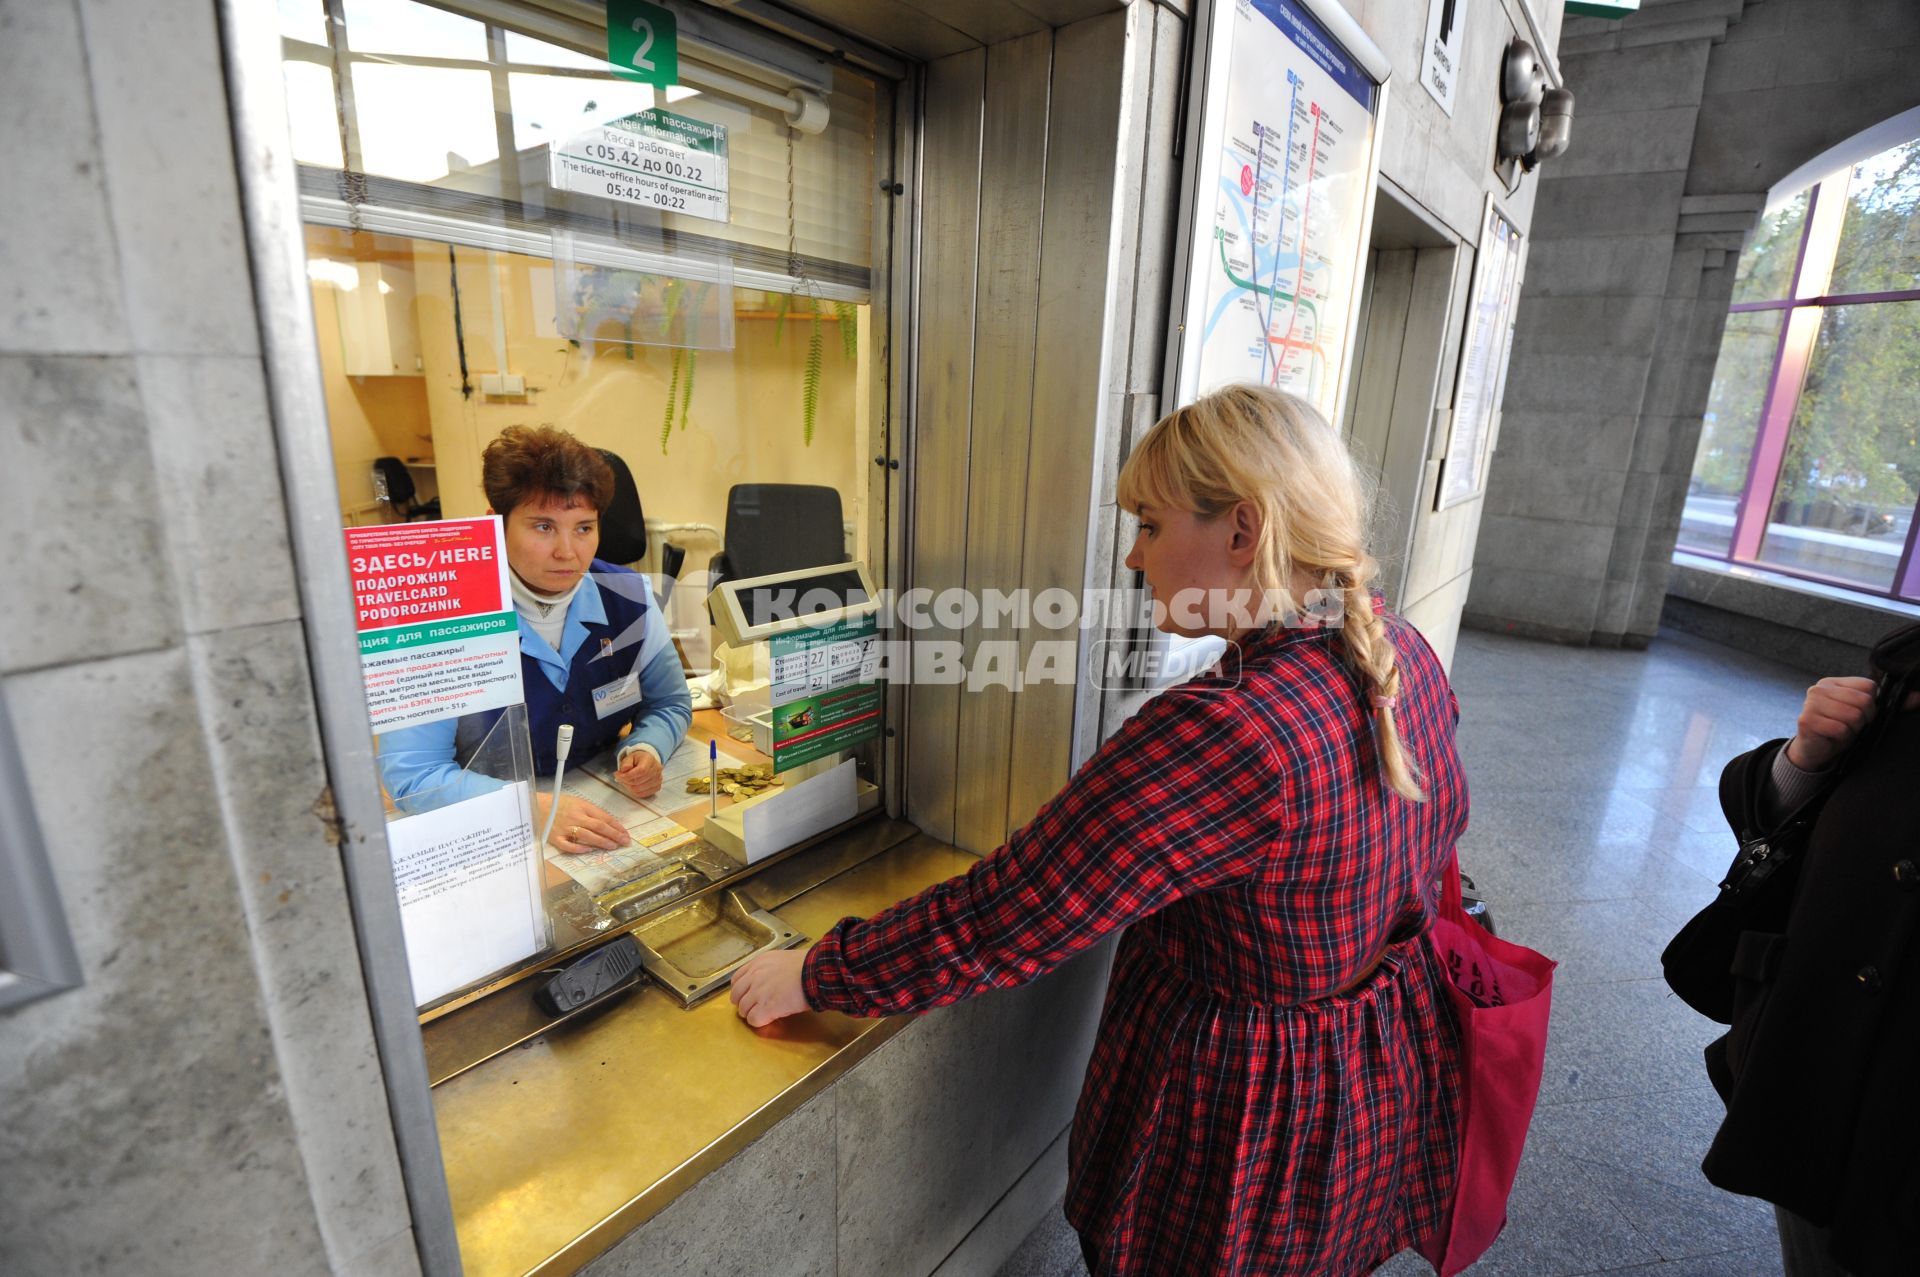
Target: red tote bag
1502, 993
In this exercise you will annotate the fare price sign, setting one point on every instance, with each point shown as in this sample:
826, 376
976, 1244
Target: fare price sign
438, 637
825, 694
652, 158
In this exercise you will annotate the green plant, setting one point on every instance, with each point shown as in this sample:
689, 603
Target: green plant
810, 382
849, 316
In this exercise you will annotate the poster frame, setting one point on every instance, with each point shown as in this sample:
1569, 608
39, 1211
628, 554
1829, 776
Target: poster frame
1208, 71
1506, 317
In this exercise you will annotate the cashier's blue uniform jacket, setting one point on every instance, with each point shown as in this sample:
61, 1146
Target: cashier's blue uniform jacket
616, 667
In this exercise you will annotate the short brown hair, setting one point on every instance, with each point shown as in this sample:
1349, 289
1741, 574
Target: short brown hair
529, 462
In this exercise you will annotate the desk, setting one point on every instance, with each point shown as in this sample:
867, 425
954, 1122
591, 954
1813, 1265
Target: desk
690, 813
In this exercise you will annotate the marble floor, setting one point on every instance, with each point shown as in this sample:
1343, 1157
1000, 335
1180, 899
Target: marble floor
1596, 831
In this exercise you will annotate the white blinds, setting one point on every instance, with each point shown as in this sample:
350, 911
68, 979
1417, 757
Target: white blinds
800, 209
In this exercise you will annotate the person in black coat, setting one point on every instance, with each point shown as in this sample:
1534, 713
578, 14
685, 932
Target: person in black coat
1820, 1069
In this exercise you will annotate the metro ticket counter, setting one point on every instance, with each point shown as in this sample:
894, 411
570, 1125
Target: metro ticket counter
886, 290
709, 278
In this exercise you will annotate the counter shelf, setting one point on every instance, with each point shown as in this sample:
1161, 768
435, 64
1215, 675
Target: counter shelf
557, 1150
581, 919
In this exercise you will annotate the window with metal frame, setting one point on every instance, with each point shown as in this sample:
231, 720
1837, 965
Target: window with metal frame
1809, 455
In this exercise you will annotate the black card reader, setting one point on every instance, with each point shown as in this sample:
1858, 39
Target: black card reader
600, 974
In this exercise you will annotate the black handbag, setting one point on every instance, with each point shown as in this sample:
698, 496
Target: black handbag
1756, 895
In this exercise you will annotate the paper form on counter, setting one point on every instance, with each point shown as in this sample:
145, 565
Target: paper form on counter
655, 837
689, 760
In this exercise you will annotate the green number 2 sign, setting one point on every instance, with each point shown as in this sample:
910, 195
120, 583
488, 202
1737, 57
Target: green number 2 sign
643, 42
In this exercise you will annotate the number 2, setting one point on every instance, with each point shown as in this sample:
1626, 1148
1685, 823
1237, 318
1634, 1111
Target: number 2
640, 58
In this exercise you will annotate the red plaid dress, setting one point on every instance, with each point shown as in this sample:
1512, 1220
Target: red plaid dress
1245, 1110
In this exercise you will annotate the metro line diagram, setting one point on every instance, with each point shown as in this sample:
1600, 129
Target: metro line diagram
1275, 268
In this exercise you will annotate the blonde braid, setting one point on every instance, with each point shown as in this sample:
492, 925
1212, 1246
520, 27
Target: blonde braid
1255, 444
1372, 655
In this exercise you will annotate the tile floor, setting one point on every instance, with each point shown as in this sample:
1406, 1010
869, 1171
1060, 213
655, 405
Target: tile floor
1596, 831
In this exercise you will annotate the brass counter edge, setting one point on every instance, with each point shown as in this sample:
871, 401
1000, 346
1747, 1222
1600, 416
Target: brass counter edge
831, 853
605, 1235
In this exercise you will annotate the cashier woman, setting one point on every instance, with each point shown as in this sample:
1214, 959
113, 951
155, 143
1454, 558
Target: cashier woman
594, 650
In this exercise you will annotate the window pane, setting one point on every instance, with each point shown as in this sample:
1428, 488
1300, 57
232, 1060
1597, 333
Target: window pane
551, 109
311, 117
1880, 239
526, 49
1727, 432
1766, 267
1852, 469
400, 26
303, 20
424, 123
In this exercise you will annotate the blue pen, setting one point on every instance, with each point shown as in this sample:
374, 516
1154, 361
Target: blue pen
713, 778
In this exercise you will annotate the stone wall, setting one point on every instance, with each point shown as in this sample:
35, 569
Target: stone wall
1688, 113
211, 1095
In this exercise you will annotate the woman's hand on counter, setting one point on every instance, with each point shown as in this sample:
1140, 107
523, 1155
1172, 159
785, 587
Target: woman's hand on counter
640, 773
767, 988
580, 826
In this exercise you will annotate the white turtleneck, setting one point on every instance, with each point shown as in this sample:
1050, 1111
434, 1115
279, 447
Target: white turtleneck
545, 613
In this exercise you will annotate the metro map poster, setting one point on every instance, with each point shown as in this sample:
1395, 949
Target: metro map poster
1282, 194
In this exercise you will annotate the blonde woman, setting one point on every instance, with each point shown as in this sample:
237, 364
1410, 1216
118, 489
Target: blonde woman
1272, 1088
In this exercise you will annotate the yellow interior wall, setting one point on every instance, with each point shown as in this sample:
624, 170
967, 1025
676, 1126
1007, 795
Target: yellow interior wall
369, 416
744, 423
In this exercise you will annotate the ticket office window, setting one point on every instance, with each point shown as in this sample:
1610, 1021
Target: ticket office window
472, 270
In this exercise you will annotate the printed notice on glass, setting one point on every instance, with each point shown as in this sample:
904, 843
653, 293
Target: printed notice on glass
825, 694
652, 158
438, 637
469, 883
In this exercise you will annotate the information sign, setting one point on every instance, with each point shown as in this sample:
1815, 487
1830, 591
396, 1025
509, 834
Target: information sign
1280, 197
470, 890
1483, 360
1446, 41
643, 42
825, 695
438, 637
652, 158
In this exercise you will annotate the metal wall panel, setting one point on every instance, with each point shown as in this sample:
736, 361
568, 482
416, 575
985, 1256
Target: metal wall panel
1428, 316
1077, 329
949, 199
1159, 189
918, 34
1013, 164
988, 21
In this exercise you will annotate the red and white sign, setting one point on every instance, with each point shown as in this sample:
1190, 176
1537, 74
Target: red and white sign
411, 572
438, 636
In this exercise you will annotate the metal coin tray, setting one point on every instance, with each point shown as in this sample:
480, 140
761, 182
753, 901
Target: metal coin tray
694, 950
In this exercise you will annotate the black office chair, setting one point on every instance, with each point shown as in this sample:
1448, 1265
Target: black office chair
623, 527
779, 527
393, 483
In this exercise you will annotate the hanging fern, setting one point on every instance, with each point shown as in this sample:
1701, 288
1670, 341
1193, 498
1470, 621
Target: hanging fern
782, 304
810, 383
686, 390
849, 329
673, 396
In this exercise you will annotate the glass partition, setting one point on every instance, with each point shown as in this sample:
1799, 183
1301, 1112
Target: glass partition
502, 233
